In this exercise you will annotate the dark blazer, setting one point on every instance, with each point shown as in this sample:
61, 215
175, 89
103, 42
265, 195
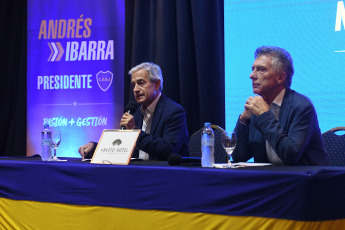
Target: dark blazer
168, 134
296, 137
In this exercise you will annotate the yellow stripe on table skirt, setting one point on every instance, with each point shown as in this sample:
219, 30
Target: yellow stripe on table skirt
40, 215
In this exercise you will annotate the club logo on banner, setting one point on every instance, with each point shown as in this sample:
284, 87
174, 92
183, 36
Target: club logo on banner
104, 79
74, 56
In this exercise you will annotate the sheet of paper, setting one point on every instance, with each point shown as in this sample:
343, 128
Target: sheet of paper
240, 164
249, 164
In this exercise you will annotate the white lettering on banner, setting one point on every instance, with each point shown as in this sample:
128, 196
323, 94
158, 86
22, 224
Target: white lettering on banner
93, 121
340, 16
90, 50
75, 50
82, 81
80, 122
56, 121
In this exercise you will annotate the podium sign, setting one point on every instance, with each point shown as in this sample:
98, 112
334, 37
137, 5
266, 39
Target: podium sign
115, 146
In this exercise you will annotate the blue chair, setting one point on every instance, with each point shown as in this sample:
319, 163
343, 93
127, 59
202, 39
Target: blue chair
335, 146
194, 145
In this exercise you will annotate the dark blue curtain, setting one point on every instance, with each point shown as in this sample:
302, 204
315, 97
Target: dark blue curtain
13, 78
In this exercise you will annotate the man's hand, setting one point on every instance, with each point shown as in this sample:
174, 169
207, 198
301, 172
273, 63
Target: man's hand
245, 116
256, 105
127, 121
86, 149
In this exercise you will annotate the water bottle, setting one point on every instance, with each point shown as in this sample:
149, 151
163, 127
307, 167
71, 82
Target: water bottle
207, 146
46, 139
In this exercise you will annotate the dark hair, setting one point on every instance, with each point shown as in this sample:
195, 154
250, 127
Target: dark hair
281, 60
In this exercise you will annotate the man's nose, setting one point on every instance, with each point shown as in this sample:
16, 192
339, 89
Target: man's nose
252, 75
135, 88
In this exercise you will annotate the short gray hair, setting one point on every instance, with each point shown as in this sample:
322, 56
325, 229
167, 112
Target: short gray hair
155, 72
281, 60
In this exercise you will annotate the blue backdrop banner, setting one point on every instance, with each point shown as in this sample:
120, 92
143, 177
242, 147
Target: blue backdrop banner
75, 62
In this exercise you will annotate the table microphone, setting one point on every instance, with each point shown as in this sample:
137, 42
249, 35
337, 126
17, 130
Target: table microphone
131, 107
176, 159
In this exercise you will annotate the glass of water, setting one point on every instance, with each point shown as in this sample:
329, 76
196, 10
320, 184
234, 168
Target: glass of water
229, 141
56, 139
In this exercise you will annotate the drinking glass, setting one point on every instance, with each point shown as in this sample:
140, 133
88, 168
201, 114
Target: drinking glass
56, 139
229, 141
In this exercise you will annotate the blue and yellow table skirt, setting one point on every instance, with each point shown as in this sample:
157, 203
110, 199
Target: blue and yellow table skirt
72, 195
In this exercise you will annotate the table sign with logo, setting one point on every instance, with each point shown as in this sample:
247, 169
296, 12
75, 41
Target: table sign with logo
115, 146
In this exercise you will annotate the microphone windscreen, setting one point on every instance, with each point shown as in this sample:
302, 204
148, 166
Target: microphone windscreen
131, 106
175, 159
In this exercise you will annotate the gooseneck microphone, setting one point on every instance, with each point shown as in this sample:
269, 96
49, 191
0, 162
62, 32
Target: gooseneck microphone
175, 159
131, 107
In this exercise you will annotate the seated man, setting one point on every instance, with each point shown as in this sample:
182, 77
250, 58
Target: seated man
281, 126
163, 122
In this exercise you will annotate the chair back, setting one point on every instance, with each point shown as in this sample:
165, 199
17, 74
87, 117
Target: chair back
335, 146
194, 144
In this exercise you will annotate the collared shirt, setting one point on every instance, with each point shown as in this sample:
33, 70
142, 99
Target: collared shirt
275, 109
147, 121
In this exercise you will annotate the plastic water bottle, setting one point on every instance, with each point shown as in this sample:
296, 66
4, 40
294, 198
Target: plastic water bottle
207, 146
46, 139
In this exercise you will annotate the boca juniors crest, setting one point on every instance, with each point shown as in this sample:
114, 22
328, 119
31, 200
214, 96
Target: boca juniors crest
104, 79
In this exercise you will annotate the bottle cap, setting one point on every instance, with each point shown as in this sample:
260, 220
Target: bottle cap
46, 125
207, 124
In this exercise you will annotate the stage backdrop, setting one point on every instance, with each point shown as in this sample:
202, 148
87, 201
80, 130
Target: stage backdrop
75, 70
311, 30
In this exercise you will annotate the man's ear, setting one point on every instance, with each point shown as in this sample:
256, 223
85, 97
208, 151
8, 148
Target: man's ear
281, 78
157, 84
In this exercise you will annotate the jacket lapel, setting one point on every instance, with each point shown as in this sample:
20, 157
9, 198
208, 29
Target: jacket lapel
285, 108
138, 120
158, 113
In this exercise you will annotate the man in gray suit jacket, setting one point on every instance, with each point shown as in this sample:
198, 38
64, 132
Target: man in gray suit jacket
280, 126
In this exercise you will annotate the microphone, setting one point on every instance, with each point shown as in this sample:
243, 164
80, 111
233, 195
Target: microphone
131, 107
175, 159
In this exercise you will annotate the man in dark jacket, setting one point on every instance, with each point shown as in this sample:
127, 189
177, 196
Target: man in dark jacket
162, 121
280, 126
